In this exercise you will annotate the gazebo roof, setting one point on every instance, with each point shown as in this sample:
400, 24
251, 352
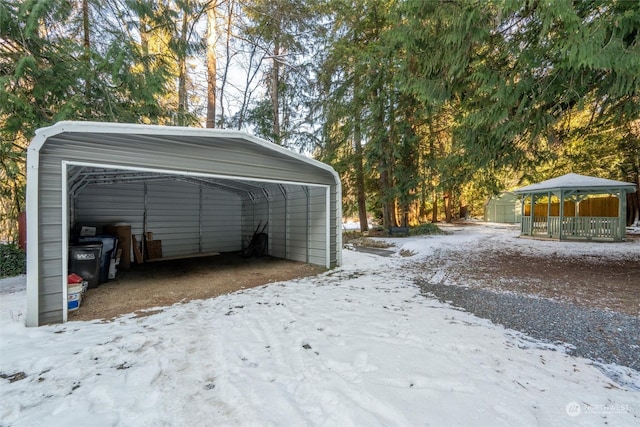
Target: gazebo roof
578, 183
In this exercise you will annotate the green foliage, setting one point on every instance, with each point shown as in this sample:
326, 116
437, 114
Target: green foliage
356, 238
425, 229
514, 70
260, 118
412, 102
284, 32
47, 74
12, 260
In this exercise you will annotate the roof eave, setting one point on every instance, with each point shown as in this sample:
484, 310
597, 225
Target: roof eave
43, 134
631, 188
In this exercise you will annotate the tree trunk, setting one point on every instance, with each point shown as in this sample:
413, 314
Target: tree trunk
432, 173
422, 208
636, 214
359, 165
252, 72
393, 208
390, 219
144, 45
447, 207
225, 75
362, 197
87, 47
275, 92
404, 209
211, 67
386, 206
434, 212
182, 66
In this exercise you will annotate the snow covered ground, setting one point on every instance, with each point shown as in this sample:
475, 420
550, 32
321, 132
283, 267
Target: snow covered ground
357, 346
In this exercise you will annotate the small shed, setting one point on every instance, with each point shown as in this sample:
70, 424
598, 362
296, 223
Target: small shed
555, 208
504, 207
197, 191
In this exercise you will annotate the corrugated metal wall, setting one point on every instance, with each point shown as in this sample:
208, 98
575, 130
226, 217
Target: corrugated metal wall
297, 216
221, 221
293, 216
255, 216
296, 221
99, 205
305, 224
171, 149
174, 214
50, 238
278, 221
296, 224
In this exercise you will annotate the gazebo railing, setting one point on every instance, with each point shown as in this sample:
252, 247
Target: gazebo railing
587, 227
590, 226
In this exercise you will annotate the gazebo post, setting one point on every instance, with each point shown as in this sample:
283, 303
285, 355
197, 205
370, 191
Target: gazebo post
622, 214
561, 214
522, 215
533, 207
549, 226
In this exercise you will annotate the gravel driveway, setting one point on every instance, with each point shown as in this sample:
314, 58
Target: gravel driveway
602, 335
586, 295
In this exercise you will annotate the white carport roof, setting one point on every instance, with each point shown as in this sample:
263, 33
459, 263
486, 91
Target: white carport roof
147, 135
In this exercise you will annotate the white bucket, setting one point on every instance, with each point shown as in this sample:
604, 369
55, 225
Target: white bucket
74, 297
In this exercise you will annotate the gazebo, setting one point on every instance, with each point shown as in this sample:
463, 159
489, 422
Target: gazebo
575, 207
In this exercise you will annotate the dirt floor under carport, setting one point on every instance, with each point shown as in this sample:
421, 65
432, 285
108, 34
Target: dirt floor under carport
159, 284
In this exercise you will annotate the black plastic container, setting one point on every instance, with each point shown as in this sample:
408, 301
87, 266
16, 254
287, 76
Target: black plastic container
109, 245
84, 260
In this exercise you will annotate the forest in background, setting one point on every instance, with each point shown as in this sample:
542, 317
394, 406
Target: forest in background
424, 107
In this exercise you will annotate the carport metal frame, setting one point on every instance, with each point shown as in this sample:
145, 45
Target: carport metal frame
33, 215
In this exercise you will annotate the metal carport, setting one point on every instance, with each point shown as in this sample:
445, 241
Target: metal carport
198, 190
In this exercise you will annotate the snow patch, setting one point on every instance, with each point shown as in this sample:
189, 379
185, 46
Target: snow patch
357, 345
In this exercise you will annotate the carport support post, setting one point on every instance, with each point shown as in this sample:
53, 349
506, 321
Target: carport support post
308, 224
200, 219
65, 241
286, 218
143, 241
32, 317
267, 197
327, 226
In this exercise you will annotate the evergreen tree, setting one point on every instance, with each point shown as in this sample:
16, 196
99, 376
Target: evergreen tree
55, 64
284, 31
